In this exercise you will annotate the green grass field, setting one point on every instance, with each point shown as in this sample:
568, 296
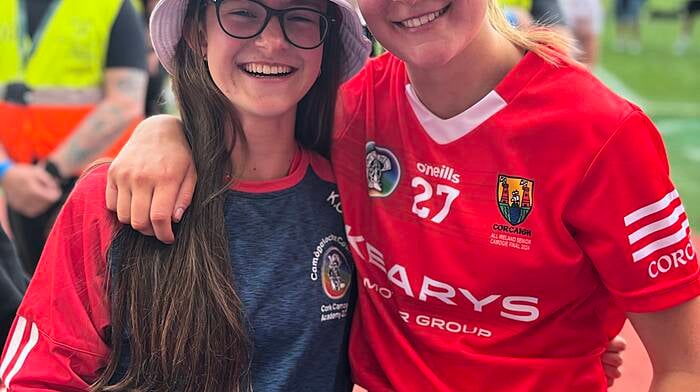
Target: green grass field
667, 86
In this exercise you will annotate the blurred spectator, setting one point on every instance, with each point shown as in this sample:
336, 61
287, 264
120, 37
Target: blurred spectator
517, 16
547, 12
628, 27
517, 12
688, 14
523, 13
72, 82
13, 283
585, 19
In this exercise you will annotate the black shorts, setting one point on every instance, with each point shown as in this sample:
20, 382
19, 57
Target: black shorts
692, 6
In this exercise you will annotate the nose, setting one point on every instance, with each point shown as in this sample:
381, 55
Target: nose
272, 36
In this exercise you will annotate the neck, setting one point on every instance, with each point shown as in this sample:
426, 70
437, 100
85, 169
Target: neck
270, 148
452, 88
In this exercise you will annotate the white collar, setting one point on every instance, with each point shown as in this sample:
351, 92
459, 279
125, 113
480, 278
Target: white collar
444, 131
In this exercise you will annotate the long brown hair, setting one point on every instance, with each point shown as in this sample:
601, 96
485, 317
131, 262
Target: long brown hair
176, 306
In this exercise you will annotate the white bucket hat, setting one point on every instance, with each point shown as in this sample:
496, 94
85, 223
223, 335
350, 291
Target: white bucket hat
168, 18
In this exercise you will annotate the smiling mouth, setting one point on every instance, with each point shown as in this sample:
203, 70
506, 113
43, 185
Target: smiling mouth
423, 20
259, 70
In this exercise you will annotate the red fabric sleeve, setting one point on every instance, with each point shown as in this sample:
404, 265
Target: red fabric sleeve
629, 220
354, 95
57, 342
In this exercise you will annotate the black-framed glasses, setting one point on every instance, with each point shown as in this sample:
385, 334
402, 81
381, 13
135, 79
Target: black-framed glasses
303, 27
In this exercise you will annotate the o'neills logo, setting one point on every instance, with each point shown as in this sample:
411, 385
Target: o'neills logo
515, 197
443, 171
383, 170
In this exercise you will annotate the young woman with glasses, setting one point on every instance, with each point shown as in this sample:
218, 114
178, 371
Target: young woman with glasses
258, 290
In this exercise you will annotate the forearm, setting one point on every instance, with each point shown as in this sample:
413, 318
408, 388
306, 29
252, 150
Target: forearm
671, 339
677, 381
124, 102
99, 130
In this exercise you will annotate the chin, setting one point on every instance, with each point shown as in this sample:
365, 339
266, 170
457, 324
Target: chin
268, 108
427, 58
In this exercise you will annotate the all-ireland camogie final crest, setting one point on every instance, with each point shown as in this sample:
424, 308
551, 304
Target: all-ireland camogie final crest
515, 198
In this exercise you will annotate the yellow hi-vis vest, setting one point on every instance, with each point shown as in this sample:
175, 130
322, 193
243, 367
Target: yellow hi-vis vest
524, 4
65, 72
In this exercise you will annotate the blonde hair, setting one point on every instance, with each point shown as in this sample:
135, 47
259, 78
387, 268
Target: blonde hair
554, 47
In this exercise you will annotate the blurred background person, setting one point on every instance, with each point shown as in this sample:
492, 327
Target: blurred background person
13, 283
688, 15
523, 13
585, 20
72, 83
547, 12
518, 12
627, 25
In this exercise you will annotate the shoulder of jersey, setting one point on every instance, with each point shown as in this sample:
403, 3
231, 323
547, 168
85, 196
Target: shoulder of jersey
573, 91
91, 185
88, 201
375, 69
322, 167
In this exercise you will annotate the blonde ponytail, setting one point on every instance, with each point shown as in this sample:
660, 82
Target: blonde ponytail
554, 47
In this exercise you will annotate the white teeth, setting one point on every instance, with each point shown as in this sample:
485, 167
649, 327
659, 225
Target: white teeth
266, 69
421, 20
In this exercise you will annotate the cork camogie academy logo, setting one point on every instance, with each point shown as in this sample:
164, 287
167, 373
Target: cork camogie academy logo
336, 273
515, 198
383, 170
332, 266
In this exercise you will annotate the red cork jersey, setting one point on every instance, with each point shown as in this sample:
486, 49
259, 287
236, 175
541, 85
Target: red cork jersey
498, 250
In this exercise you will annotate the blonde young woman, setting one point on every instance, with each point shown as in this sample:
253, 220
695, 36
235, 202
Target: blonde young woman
258, 290
505, 210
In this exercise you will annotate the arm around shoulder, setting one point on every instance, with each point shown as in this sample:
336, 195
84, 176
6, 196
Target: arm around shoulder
57, 342
152, 180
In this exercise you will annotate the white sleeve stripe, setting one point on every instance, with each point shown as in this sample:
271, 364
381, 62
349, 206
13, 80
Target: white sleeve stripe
14, 344
651, 208
33, 339
662, 243
657, 226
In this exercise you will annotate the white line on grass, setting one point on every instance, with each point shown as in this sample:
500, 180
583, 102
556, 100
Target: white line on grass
692, 153
653, 108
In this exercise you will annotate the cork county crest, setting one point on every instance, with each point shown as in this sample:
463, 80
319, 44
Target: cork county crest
515, 198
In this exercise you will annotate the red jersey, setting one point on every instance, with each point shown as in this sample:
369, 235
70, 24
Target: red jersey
57, 342
498, 250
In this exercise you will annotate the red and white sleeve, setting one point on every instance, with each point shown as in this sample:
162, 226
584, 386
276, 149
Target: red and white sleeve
57, 341
628, 218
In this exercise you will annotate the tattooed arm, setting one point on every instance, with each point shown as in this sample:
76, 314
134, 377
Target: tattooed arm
124, 101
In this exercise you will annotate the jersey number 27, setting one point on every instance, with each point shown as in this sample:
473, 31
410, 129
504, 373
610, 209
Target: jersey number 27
427, 193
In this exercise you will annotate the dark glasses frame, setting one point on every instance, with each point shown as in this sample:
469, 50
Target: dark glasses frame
280, 14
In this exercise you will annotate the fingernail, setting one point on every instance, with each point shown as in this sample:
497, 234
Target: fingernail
178, 214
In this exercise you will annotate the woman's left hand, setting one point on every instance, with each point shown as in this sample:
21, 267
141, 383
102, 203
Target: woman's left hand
612, 359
